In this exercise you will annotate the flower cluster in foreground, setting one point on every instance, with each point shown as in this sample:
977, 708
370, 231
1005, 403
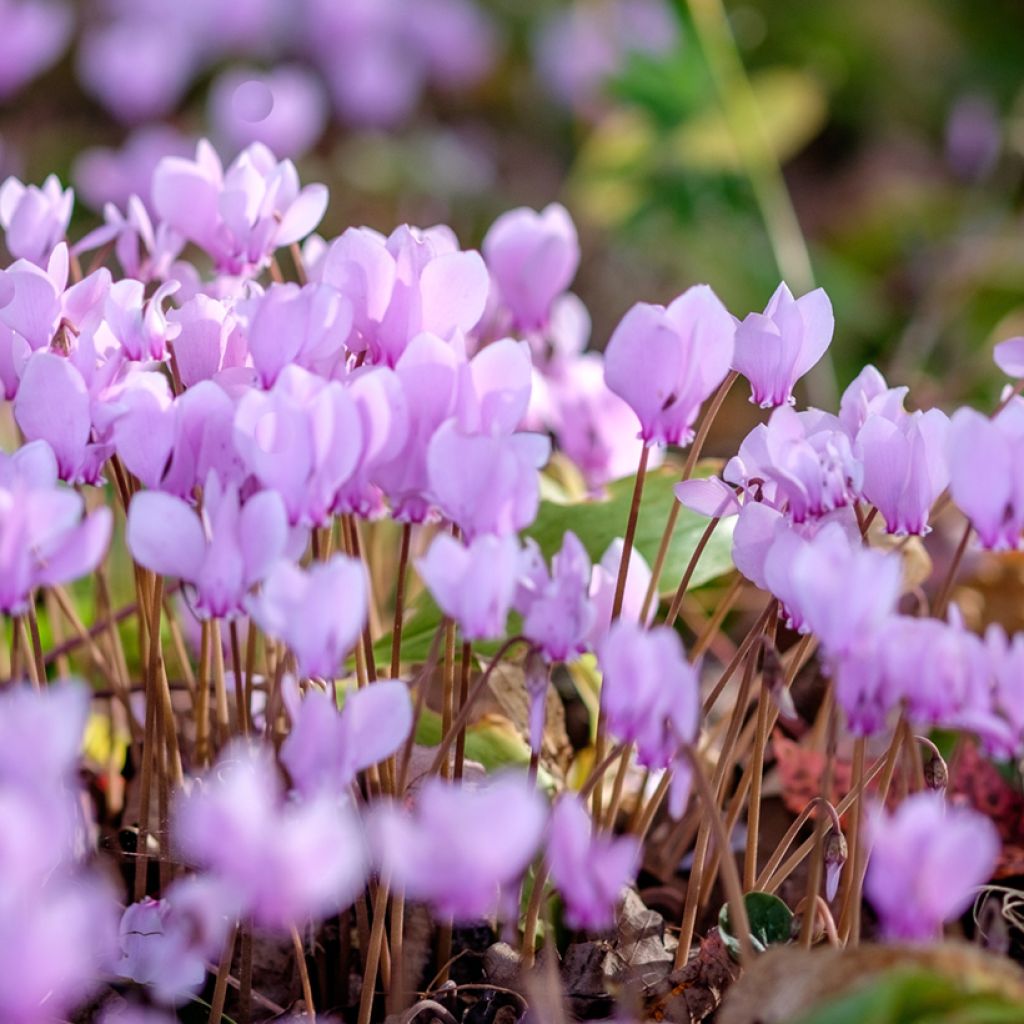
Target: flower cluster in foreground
192, 421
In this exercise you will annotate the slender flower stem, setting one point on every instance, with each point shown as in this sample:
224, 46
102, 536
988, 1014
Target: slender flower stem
942, 600
814, 876
714, 624
220, 687
245, 977
540, 877
242, 710
620, 593
202, 705
730, 874
30, 660
684, 583
460, 739
220, 989
449, 736
448, 691
300, 963
396, 629
691, 463
37, 645
757, 765
373, 953
396, 993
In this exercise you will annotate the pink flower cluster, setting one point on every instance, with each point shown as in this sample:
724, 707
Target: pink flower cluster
248, 425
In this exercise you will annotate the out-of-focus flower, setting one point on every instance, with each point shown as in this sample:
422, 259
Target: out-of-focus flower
588, 869
239, 216
774, 349
285, 109
581, 48
926, 861
666, 362
318, 612
650, 696
57, 917
474, 584
165, 943
592, 425
103, 175
1009, 357
974, 137
602, 589
35, 219
138, 67
986, 472
35, 34
460, 846
326, 749
905, 467
486, 484
44, 537
832, 586
223, 552
556, 607
533, 258
286, 862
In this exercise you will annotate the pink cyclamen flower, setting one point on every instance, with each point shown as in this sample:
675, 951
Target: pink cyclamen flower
868, 394
326, 749
927, 860
650, 696
986, 472
259, 847
800, 462
318, 612
533, 258
486, 484
1009, 357
222, 552
303, 438
774, 349
44, 537
589, 870
831, 585
35, 35
461, 846
165, 944
35, 219
665, 362
239, 215
473, 584
557, 612
285, 109
307, 326
905, 467
603, 581
210, 339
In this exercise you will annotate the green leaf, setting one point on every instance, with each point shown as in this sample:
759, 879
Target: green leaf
912, 996
493, 742
598, 523
771, 922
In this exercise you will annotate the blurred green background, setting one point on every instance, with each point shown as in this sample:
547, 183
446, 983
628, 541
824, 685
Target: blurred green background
874, 147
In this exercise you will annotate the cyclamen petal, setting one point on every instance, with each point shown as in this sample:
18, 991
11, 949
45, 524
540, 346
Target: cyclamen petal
926, 863
589, 869
460, 847
775, 348
475, 585
666, 362
318, 612
533, 258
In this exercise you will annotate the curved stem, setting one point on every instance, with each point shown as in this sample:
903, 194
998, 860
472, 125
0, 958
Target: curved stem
300, 963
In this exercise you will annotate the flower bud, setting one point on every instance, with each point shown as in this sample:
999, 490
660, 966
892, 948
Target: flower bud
836, 852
